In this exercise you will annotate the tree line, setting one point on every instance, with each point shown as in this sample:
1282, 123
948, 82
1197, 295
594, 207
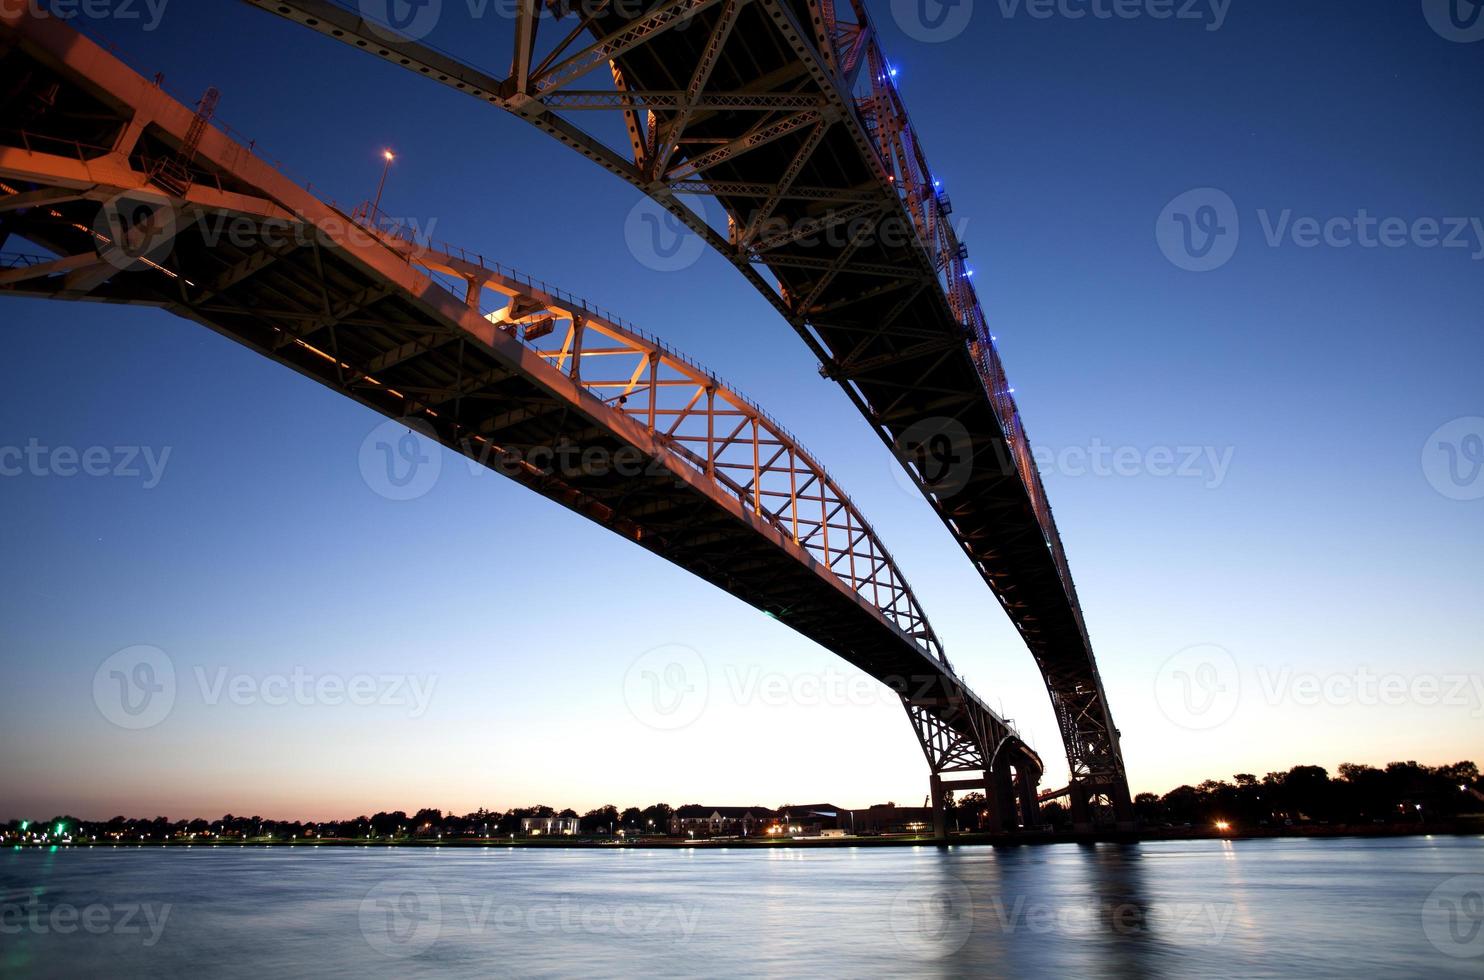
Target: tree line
427, 823
1401, 792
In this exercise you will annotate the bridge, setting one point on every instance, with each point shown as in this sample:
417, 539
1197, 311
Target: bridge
786, 115
112, 191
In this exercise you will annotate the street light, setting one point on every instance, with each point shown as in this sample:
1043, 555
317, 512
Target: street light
389, 156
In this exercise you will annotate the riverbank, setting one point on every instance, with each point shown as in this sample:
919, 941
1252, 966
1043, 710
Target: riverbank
1019, 838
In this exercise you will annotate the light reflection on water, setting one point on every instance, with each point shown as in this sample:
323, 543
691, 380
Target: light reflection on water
1175, 909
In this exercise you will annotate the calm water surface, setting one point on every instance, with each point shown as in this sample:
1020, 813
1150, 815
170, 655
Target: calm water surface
1394, 908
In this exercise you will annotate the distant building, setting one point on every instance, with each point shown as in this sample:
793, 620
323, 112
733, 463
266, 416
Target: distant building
727, 821
549, 826
811, 819
888, 818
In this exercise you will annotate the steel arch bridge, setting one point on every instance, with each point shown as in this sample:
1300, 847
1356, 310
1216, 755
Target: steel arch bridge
785, 113
124, 195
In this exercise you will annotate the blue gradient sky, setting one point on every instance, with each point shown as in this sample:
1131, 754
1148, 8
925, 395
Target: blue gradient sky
1324, 550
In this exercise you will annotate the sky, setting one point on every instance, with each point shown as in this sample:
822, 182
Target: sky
1247, 450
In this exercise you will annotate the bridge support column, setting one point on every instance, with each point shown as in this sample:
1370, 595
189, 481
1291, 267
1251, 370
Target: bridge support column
1080, 806
1099, 804
1123, 806
940, 813
999, 788
1030, 810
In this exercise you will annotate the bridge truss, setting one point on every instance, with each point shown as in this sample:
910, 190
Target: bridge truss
786, 115
121, 194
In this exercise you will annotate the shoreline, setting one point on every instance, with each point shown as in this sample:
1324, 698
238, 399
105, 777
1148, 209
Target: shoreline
1019, 839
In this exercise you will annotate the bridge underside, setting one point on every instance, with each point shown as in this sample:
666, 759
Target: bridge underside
304, 284
784, 113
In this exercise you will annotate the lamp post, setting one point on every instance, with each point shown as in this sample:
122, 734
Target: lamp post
389, 156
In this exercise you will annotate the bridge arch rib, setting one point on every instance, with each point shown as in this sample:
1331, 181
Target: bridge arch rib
492, 364
786, 114
692, 416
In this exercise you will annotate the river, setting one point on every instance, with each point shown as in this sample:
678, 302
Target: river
1336, 907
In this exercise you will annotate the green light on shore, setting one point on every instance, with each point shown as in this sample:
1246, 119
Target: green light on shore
25, 824
60, 828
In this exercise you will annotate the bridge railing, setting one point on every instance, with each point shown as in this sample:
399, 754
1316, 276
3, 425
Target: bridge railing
400, 229
901, 158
